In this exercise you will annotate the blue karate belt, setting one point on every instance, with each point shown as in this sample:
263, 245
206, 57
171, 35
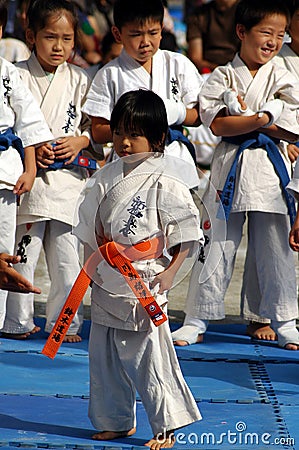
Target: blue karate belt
177, 135
9, 139
256, 140
80, 161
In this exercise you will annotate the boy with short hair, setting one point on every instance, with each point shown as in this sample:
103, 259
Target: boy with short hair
138, 26
252, 103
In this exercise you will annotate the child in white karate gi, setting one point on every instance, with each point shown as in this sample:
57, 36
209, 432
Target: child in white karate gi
46, 215
247, 102
138, 26
21, 125
136, 198
288, 57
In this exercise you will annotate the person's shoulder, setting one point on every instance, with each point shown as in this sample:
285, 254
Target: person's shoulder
79, 71
22, 65
6, 64
281, 71
174, 56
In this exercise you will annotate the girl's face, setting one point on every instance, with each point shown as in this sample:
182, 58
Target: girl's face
54, 43
129, 142
294, 31
262, 42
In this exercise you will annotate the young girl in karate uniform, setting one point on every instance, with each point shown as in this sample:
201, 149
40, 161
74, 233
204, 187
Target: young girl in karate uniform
46, 214
134, 200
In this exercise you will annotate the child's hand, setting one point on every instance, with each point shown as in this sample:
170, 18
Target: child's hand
235, 104
44, 156
294, 239
24, 183
69, 147
293, 152
164, 279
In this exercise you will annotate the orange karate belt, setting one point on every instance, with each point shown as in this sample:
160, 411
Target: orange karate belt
119, 256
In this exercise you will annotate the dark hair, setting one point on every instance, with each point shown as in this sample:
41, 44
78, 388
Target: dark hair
293, 6
40, 11
251, 12
126, 11
144, 112
107, 42
3, 13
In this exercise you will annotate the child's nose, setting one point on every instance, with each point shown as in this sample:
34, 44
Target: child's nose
58, 44
125, 142
145, 39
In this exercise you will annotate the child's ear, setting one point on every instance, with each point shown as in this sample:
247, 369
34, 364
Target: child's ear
117, 35
240, 30
30, 38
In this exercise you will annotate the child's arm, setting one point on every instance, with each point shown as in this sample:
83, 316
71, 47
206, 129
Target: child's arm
100, 129
280, 133
192, 117
165, 278
294, 234
224, 125
25, 181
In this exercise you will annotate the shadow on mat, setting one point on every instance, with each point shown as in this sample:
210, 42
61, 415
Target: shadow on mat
12, 423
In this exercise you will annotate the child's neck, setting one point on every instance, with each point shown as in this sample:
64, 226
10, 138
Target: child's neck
148, 66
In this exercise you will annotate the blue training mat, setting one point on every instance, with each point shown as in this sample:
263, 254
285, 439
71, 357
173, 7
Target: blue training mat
247, 392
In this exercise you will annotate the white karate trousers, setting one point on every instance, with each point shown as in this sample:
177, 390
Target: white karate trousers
269, 283
122, 362
62, 257
8, 212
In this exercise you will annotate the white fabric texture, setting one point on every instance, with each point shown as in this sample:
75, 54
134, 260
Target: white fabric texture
126, 361
61, 251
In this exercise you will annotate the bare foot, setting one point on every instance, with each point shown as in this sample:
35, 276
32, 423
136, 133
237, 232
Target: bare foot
180, 343
109, 435
20, 335
71, 338
161, 440
261, 331
292, 347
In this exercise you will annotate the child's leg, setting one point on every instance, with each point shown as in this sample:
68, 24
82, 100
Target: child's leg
19, 322
259, 327
209, 281
112, 394
275, 266
8, 212
62, 256
150, 361
287, 334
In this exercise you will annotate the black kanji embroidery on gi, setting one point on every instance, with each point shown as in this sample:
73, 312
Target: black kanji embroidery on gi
174, 86
7, 87
135, 210
26, 239
71, 113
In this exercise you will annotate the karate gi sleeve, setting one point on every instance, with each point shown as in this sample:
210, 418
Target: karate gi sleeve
30, 124
100, 97
287, 90
178, 214
211, 95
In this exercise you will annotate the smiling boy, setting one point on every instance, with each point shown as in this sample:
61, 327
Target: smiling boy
251, 103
